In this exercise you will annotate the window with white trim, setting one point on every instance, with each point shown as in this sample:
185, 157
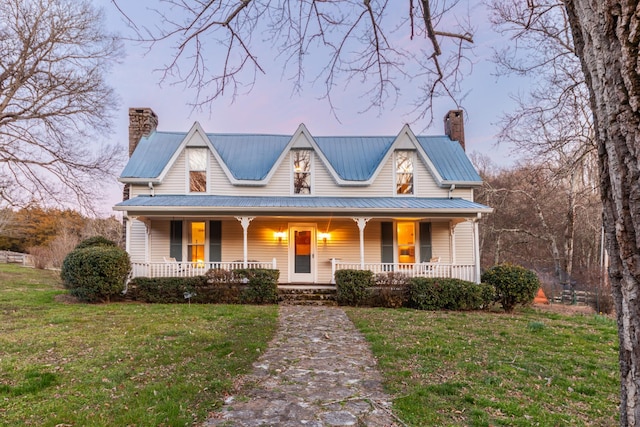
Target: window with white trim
404, 172
301, 160
197, 160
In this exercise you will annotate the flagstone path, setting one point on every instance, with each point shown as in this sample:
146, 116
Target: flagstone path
318, 371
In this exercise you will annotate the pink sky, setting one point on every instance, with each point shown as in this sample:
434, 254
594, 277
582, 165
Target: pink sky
271, 107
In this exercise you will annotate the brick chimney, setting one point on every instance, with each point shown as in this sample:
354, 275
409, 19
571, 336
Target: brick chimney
454, 126
142, 122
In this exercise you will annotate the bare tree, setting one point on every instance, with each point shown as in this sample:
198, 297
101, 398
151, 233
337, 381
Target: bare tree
604, 36
367, 43
54, 102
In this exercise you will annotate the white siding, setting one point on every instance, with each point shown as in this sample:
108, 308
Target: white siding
175, 182
440, 241
159, 240
464, 243
137, 241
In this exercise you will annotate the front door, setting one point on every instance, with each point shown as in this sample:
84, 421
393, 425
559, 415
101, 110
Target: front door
302, 254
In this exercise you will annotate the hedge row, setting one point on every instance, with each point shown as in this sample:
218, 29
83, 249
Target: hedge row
362, 288
242, 286
506, 284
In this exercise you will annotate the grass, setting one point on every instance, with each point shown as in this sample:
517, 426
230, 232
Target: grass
127, 364
531, 368
119, 364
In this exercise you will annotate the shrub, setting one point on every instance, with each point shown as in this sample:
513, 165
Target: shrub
95, 241
513, 285
262, 285
390, 290
166, 290
423, 294
95, 273
353, 286
448, 294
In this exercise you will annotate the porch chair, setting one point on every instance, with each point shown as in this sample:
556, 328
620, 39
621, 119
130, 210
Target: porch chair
174, 266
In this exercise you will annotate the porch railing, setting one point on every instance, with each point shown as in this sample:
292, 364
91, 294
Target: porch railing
190, 269
426, 269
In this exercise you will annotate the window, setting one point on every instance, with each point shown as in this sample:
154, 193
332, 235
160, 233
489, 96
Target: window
197, 170
195, 244
406, 242
301, 171
404, 172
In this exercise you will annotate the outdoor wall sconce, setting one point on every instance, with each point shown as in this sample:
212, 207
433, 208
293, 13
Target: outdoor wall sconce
324, 237
279, 235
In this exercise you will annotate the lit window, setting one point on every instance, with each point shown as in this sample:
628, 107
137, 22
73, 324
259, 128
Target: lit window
195, 244
197, 170
404, 172
301, 171
406, 242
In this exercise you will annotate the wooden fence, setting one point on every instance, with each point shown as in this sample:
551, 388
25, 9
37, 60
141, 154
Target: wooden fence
568, 296
8, 257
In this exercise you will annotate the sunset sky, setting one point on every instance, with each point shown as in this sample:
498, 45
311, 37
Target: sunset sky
271, 107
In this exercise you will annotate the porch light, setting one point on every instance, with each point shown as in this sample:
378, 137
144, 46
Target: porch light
279, 235
324, 237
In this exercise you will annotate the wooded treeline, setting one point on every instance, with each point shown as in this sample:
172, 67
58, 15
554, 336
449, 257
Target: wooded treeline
49, 234
543, 219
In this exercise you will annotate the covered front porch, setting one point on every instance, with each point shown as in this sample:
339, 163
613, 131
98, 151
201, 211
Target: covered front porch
190, 269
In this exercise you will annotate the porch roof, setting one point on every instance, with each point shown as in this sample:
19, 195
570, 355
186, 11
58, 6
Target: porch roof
297, 205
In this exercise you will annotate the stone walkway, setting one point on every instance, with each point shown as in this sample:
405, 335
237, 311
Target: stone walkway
318, 371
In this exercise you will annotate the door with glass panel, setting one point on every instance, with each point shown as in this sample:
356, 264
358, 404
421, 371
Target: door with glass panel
302, 248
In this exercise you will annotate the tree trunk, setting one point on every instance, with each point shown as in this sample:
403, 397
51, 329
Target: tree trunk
606, 35
570, 226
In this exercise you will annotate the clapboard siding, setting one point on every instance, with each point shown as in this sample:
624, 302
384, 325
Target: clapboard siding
464, 243
137, 241
159, 240
440, 238
175, 182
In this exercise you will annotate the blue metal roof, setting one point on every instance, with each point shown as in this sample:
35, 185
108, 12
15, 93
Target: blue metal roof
249, 156
152, 155
449, 159
354, 158
298, 202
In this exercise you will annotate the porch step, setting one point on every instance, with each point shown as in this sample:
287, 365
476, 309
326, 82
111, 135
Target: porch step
307, 295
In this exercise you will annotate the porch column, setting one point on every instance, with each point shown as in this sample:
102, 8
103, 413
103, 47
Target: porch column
362, 223
147, 238
452, 241
127, 233
476, 248
245, 221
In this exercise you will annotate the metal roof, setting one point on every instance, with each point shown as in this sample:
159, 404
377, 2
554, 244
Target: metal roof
249, 156
152, 155
449, 159
354, 158
298, 203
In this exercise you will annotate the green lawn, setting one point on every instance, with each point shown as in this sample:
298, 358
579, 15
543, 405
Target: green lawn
126, 364
117, 364
490, 369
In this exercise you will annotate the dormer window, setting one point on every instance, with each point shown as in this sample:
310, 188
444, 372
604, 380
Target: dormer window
404, 172
301, 171
197, 170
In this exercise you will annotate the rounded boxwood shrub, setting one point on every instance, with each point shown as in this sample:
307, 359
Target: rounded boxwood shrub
353, 287
95, 241
513, 285
95, 273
